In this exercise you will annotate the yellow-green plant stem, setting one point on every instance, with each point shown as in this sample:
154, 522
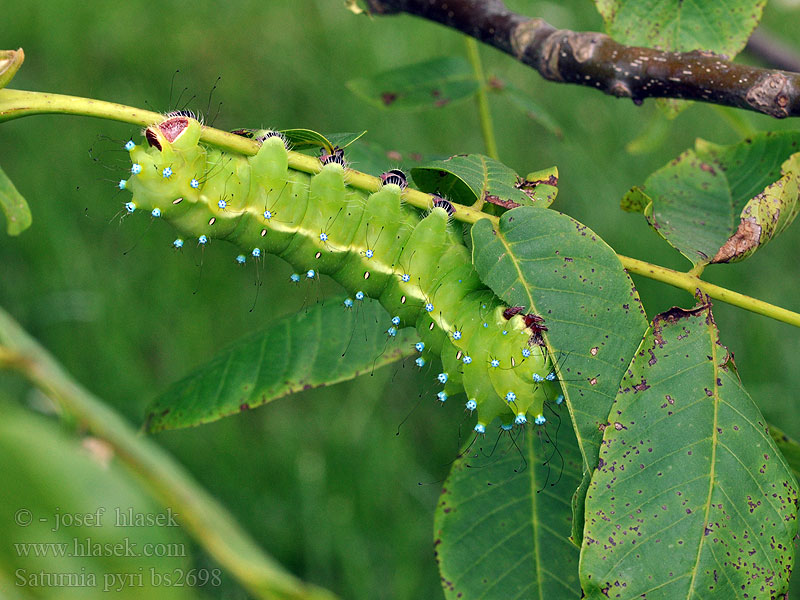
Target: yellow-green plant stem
487, 128
17, 103
202, 516
692, 284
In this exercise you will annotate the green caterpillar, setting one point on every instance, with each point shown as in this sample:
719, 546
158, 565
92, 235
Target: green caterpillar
372, 244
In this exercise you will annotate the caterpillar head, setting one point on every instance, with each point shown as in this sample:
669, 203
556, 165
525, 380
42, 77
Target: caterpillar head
166, 170
179, 132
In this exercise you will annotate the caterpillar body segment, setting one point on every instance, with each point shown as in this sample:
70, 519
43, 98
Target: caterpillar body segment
417, 266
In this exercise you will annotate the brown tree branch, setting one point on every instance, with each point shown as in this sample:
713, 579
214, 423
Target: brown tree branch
595, 60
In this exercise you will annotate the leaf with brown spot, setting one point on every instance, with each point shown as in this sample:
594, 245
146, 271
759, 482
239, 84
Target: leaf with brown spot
691, 498
587, 302
430, 84
722, 203
720, 27
292, 354
465, 178
766, 215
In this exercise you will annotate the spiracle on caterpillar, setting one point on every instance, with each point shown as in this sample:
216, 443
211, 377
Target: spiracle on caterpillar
374, 245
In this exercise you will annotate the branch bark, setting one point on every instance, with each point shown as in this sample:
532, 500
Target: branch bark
595, 60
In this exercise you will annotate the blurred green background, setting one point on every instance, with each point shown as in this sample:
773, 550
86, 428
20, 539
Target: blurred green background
320, 480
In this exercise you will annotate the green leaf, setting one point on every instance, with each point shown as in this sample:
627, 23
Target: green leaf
10, 62
721, 203
307, 138
467, 177
431, 84
63, 493
292, 354
789, 447
343, 140
529, 107
15, 208
560, 269
503, 521
721, 27
691, 498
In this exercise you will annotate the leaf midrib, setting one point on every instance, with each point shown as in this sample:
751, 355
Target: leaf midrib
714, 443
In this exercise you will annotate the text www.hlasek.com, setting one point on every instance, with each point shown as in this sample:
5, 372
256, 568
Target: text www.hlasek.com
87, 547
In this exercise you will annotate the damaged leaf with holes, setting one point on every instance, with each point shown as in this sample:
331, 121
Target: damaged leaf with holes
690, 498
718, 204
465, 178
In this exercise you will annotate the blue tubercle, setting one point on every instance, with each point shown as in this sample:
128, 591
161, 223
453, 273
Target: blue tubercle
369, 253
359, 295
420, 362
256, 252
203, 239
166, 173
526, 352
222, 204
537, 378
136, 168
267, 214
241, 259
123, 183
560, 399
392, 331
156, 212
428, 307
194, 183
323, 237
442, 377
456, 335
405, 277
480, 428
442, 396
348, 303
129, 145
130, 207
420, 346
520, 419
511, 397
494, 363
310, 274
466, 360
471, 405
506, 427
295, 277
540, 420
395, 320
551, 376
485, 325
178, 243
